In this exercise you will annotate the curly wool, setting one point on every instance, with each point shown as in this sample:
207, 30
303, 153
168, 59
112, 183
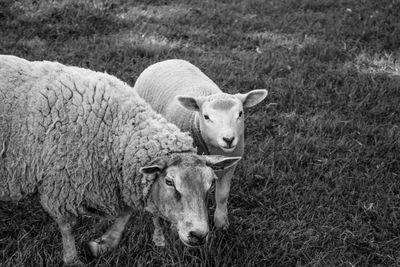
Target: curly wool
78, 137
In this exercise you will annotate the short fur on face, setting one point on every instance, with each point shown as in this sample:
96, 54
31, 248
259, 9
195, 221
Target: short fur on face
221, 116
180, 190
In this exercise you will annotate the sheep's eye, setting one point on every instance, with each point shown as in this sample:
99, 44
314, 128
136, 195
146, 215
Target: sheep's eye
206, 117
240, 114
169, 182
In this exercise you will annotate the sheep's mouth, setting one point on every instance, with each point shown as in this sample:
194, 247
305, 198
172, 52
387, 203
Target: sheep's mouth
188, 243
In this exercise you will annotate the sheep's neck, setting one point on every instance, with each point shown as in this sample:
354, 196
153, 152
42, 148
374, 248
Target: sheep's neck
202, 147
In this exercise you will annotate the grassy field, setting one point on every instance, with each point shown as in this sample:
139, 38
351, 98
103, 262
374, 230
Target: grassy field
319, 183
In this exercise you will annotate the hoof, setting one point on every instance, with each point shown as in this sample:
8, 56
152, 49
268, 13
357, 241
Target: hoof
221, 221
74, 263
159, 240
97, 247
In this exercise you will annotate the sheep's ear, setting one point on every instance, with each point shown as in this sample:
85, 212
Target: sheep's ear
219, 163
155, 166
253, 97
188, 102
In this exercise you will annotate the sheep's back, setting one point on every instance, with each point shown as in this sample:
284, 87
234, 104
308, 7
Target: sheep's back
161, 82
81, 135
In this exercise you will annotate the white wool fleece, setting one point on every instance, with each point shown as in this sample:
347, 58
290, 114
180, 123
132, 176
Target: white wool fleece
78, 137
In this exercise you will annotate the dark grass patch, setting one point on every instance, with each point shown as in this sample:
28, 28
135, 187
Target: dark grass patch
68, 21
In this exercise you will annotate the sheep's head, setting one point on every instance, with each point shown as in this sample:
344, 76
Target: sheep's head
221, 116
180, 189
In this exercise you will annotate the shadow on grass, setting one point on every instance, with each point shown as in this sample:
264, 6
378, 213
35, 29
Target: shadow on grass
59, 23
38, 32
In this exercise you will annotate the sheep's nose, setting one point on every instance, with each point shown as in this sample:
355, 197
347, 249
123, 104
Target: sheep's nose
228, 141
197, 238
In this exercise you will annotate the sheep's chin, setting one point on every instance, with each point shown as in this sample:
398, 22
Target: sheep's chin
228, 149
187, 244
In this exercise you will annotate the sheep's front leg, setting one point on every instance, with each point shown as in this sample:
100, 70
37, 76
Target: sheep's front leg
112, 237
222, 187
158, 236
70, 256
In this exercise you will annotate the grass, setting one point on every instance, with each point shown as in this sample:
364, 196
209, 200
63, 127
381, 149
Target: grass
319, 183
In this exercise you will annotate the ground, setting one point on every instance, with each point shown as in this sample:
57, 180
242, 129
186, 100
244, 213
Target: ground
319, 183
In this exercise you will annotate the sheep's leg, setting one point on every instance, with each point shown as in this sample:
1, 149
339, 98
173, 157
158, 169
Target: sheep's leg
223, 185
112, 237
70, 256
54, 199
158, 236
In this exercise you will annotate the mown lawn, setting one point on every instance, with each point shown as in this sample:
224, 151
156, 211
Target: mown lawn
319, 183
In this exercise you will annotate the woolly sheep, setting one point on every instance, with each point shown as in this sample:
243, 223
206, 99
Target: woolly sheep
188, 98
84, 139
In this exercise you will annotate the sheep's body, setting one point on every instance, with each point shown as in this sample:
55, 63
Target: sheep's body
78, 137
185, 96
85, 132
160, 85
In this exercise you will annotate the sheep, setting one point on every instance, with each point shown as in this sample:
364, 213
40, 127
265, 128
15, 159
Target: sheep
185, 96
84, 140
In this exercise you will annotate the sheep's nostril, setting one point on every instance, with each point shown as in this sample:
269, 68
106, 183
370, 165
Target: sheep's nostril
197, 238
228, 141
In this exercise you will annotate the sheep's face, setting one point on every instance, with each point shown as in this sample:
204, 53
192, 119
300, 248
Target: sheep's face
221, 116
180, 190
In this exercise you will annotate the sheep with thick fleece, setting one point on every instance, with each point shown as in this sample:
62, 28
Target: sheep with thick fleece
85, 140
188, 98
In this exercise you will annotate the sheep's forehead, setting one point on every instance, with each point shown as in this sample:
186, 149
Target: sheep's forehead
190, 174
224, 103
186, 160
